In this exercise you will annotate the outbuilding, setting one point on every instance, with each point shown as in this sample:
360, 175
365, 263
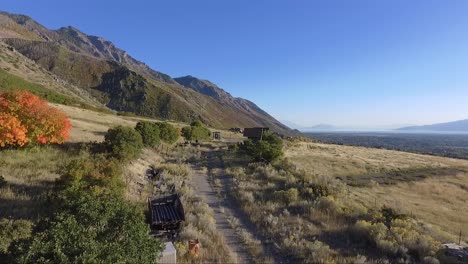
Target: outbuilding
255, 133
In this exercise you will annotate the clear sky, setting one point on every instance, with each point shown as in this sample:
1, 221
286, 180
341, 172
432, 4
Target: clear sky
349, 63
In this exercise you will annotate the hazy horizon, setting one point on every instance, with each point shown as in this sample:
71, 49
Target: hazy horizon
345, 63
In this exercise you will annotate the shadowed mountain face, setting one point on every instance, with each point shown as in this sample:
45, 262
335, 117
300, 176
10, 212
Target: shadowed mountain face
123, 83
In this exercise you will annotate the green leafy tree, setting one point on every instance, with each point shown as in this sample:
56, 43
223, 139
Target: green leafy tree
124, 143
167, 132
91, 228
187, 132
270, 148
197, 123
149, 133
196, 131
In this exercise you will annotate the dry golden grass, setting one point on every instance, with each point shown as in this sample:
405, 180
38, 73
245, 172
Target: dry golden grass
440, 201
89, 125
337, 160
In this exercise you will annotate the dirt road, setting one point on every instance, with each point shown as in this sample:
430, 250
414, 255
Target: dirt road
202, 186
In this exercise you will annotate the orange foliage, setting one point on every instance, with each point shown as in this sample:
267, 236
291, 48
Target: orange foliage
25, 113
12, 132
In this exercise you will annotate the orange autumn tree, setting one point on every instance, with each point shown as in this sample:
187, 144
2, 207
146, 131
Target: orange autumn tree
25, 118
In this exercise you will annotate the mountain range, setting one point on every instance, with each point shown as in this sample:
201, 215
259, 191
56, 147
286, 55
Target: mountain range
93, 70
455, 126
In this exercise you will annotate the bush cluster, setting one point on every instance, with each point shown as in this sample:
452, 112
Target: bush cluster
168, 133
91, 220
395, 236
124, 143
269, 149
149, 132
27, 119
196, 131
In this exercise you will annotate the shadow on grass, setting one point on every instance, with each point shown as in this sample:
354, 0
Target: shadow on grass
26, 201
74, 148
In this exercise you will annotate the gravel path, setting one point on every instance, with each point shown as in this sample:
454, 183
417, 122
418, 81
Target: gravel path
202, 186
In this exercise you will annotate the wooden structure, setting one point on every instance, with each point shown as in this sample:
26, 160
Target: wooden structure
236, 130
167, 214
169, 254
216, 135
255, 133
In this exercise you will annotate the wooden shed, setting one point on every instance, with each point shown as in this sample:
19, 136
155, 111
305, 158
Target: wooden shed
255, 133
216, 135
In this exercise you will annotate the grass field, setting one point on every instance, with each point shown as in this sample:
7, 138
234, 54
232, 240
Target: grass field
327, 203
433, 189
88, 125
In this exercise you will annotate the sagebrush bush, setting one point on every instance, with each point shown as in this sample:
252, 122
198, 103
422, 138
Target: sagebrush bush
124, 143
397, 237
149, 132
287, 196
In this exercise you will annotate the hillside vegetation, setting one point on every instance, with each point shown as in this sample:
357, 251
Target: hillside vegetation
115, 79
327, 203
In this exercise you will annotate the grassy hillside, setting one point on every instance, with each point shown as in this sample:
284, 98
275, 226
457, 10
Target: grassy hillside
9, 82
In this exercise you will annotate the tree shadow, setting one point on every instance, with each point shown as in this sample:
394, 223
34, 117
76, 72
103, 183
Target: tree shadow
75, 147
27, 201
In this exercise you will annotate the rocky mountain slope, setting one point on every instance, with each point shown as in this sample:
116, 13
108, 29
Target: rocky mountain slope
122, 83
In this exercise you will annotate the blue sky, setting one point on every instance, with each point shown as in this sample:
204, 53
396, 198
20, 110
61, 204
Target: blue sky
349, 63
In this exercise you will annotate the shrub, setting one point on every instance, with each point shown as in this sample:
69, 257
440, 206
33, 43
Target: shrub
196, 131
91, 228
149, 133
167, 132
97, 173
13, 230
289, 196
25, 118
197, 123
395, 236
187, 132
270, 148
124, 143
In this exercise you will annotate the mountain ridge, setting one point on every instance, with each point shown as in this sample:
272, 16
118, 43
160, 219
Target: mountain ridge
453, 126
105, 71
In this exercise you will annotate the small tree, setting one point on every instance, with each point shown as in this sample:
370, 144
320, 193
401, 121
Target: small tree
167, 132
196, 131
90, 228
270, 148
124, 142
149, 133
197, 123
25, 118
187, 132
